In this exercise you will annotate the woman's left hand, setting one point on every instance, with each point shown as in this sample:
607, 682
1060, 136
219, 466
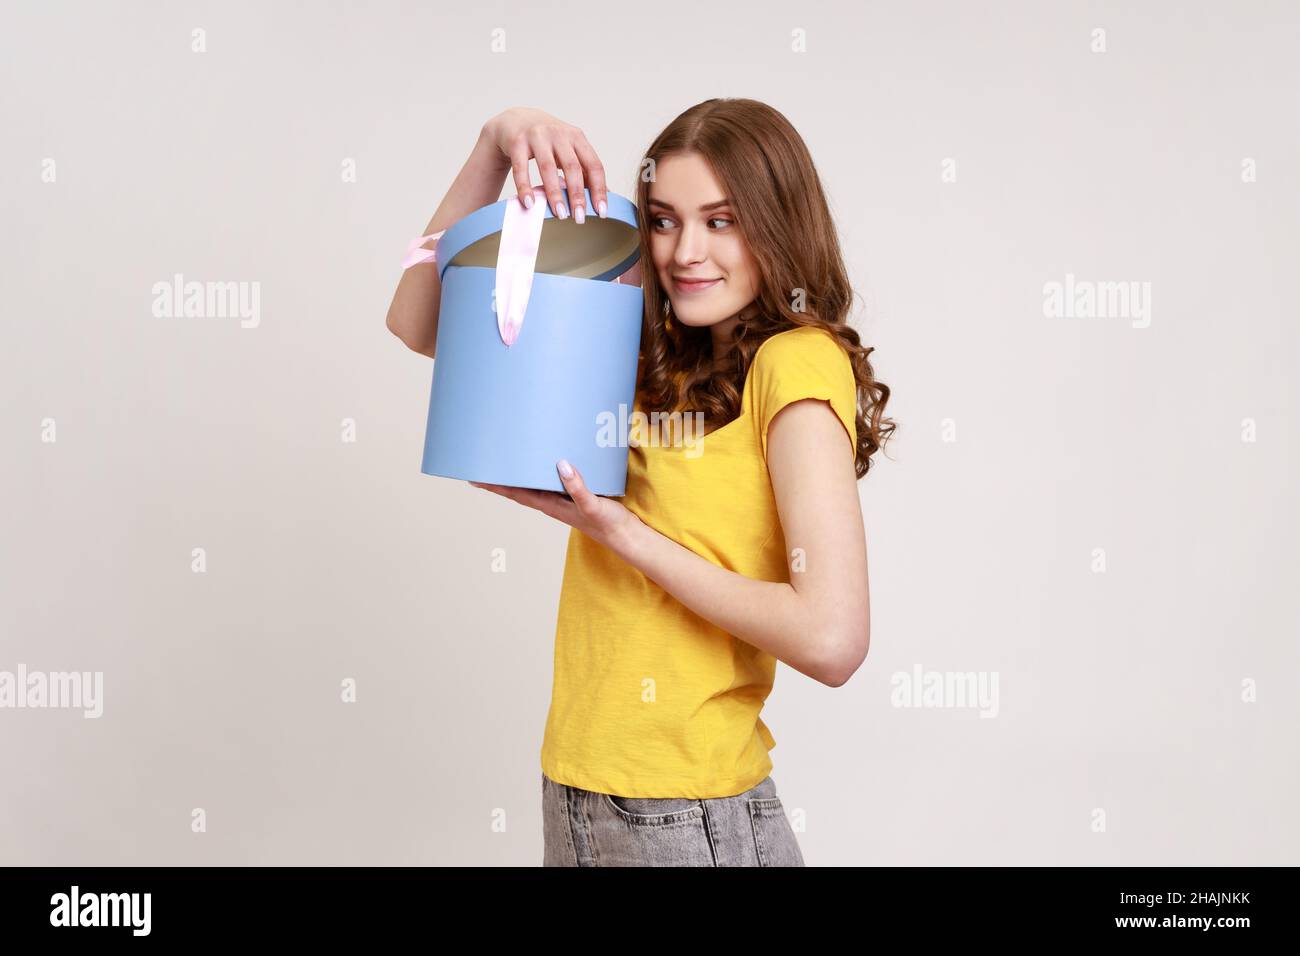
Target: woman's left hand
602, 519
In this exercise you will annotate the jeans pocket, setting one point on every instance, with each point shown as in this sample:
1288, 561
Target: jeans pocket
655, 811
774, 838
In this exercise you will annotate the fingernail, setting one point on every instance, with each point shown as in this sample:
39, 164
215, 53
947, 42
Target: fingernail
561, 209
566, 470
579, 214
528, 200
601, 208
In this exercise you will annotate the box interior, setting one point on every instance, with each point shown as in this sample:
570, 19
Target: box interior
566, 248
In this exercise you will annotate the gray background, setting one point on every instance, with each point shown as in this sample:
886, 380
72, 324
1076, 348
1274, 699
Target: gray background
330, 560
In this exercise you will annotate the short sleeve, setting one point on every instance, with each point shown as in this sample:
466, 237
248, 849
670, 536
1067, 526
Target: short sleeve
807, 362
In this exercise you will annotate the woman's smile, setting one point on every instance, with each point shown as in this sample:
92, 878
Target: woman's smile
689, 286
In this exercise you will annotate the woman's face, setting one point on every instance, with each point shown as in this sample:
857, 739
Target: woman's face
693, 235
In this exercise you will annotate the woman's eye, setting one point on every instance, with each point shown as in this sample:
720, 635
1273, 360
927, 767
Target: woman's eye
656, 220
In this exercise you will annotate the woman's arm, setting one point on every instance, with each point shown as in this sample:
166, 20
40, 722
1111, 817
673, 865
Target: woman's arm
819, 623
413, 314
505, 144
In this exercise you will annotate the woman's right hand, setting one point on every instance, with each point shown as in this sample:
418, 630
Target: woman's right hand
522, 134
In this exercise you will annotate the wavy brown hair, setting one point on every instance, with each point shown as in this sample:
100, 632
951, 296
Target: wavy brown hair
765, 168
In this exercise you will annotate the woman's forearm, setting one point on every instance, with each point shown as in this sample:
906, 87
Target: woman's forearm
772, 616
413, 314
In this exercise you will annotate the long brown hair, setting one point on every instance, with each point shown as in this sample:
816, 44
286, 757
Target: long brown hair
764, 166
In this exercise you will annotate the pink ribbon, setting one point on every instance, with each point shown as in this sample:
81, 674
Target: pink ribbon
415, 255
521, 233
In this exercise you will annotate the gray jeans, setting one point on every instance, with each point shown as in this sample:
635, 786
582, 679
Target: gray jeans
586, 828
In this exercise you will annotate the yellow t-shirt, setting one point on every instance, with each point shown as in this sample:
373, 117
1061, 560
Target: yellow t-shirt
650, 699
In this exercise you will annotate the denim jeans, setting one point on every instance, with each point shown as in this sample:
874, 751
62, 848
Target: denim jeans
587, 828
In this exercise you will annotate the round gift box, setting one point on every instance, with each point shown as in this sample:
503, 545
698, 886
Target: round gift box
565, 388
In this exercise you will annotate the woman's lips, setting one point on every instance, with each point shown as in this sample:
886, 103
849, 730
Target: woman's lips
699, 285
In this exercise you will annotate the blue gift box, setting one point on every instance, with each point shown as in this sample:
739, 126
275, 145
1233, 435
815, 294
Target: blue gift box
505, 414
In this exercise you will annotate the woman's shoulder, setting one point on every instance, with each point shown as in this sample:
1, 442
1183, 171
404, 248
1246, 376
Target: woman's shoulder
802, 344
803, 362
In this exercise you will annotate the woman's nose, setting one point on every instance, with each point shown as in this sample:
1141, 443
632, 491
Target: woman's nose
691, 247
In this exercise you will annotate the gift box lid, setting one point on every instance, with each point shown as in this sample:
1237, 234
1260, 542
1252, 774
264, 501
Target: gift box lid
598, 249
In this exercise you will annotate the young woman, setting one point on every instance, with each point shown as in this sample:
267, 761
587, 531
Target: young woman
727, 553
